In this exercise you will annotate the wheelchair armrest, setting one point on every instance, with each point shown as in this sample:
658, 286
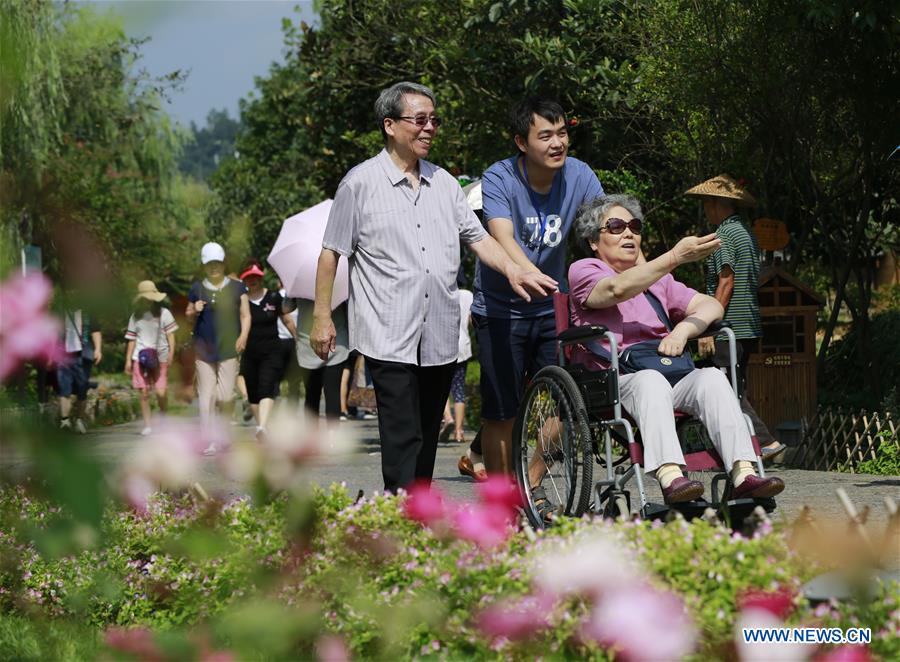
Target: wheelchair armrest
576, 334
715, 329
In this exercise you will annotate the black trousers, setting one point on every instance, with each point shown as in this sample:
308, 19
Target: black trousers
329, 379
411, 401
262, 366
290, 370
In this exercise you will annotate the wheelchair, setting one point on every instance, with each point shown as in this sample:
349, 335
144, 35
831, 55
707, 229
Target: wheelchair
570, 420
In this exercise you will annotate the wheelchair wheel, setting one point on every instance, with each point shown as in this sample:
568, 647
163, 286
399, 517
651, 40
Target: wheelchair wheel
552, 448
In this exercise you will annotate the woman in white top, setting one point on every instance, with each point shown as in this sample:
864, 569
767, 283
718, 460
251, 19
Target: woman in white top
321, 376
151, 347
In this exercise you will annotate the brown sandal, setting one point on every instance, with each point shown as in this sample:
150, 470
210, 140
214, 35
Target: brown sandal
466, 468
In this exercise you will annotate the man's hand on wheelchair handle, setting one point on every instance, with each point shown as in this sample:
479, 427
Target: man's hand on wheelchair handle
707, 346
322, 337
525, 283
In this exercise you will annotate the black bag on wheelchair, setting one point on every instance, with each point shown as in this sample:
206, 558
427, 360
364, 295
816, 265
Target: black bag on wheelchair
645, 355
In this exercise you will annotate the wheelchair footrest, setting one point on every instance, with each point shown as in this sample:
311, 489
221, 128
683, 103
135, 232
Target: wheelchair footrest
735, 511
689, 509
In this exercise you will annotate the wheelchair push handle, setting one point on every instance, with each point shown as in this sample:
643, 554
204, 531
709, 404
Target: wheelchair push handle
717, 329
577, 334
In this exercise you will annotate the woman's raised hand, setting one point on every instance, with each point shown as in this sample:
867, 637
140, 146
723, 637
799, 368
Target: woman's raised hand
692, 249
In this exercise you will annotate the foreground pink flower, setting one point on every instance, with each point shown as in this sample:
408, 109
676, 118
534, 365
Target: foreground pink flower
218, 656
168, 458
517, 619
425, 503
643, 623
487, 525
779, 603
846, 654
27, 330
331, 648
589, 563
500, 490
133, 641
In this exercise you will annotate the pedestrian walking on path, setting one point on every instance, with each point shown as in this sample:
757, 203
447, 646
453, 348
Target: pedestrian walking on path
84, 349
219, 307
150, 349
321, 375
399, 220
262, 364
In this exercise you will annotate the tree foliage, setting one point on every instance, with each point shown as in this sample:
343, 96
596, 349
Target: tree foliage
207, 147
312, 117
791, 96
89, 161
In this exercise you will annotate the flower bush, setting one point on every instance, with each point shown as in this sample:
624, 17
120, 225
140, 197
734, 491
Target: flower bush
330, 577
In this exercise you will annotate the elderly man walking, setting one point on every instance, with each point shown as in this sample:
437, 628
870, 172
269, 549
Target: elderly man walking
399, 220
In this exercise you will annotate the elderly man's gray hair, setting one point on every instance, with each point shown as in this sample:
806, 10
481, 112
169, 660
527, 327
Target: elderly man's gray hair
591, 213
390, 101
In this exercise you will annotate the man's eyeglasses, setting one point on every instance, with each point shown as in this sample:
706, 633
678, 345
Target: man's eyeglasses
422, 120
617, 225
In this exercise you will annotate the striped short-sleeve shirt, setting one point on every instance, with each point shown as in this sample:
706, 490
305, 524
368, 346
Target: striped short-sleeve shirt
403, 250
740, 252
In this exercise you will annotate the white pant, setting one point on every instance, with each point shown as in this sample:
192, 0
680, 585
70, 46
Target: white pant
215, 381
704, 394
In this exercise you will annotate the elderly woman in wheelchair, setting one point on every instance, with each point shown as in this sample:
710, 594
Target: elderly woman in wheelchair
620, 308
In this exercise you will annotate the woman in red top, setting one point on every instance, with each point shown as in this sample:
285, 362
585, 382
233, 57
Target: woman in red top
262, 360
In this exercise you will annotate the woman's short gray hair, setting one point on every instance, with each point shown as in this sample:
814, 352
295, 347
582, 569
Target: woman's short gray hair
390, 101
591, 213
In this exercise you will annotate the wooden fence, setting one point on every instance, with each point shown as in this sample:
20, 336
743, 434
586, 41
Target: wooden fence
838, 438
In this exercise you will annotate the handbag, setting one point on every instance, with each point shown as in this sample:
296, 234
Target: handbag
360, 395
645, 355
148, 358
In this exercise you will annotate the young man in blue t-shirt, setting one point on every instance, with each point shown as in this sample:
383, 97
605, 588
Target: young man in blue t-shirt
529, 203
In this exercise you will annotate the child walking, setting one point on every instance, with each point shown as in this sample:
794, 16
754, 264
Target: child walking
151, 346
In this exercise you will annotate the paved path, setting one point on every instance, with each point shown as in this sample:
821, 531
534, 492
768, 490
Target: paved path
361, 470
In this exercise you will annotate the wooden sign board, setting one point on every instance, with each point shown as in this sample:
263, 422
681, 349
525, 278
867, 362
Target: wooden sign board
771, 234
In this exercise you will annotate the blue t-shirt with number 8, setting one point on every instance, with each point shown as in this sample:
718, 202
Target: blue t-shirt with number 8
506, 195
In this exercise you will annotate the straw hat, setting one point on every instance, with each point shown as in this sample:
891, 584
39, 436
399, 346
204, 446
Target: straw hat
723, 186
147, 290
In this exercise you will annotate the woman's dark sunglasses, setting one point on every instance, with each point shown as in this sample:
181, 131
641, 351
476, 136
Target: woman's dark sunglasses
617, 225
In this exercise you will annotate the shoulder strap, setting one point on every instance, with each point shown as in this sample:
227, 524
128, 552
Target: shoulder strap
597, 347
658, 309
80, 331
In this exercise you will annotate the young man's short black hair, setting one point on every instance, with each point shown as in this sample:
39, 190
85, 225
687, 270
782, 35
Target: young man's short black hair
522, 115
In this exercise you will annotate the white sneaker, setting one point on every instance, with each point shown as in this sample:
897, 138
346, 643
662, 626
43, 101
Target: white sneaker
212, 449
146, 431
79, 426
65, 424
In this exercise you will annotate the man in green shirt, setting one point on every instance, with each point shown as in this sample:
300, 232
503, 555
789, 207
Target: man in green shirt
732, 277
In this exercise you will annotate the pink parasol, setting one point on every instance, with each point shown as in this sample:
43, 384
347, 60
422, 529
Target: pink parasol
296, 253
